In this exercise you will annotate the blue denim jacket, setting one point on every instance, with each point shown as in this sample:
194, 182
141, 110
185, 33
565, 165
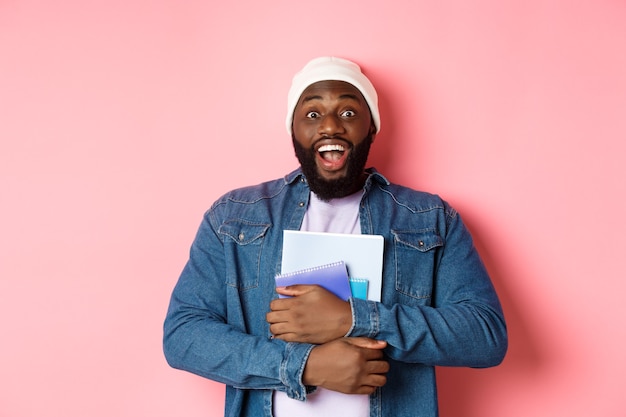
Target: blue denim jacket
438, 304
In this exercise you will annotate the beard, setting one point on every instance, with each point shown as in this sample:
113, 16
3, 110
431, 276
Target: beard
341, 187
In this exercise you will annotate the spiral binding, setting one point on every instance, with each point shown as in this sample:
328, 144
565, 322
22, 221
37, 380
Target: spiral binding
311, 269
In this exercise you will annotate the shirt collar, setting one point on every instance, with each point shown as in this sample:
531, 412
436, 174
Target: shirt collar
373, 176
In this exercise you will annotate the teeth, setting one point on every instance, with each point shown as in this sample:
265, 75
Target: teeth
330, 148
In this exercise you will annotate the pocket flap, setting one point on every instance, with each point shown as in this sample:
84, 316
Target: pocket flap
421, 240
243, 232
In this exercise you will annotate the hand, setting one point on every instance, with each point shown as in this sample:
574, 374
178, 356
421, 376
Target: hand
352, 365
312, 315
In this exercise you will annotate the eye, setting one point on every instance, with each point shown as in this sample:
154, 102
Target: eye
348, 113
312, 115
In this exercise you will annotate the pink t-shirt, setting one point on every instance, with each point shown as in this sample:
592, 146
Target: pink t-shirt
339, 215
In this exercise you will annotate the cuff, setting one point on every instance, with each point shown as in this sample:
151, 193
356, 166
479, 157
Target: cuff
365, 318
292, 369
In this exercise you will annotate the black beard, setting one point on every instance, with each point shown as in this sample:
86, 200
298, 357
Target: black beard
341, 187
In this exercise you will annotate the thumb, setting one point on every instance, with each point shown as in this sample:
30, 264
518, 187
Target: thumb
294, 290
366, 342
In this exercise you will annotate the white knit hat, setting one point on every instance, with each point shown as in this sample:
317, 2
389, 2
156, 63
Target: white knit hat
330, 68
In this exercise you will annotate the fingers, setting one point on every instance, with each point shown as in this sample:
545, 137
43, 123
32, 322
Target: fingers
346, 366
280, 304
280, 328
280, 331
377, 368
373, 381
312, 315
375, 375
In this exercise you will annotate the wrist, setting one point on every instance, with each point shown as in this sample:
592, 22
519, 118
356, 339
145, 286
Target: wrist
352, 318
309, 376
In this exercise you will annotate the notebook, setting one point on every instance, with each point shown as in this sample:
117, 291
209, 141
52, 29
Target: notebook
333, 277
362, 255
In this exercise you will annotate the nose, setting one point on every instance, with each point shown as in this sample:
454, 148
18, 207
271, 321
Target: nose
330, 125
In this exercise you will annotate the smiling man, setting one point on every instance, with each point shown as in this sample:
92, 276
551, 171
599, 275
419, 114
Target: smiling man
312, 353
332, 134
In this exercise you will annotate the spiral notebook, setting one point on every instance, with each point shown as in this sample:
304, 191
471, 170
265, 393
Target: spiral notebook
362, 255
333, 277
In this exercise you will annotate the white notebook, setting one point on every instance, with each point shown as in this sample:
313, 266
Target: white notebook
363, 255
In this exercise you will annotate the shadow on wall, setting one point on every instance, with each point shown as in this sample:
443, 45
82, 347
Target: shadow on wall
466, 392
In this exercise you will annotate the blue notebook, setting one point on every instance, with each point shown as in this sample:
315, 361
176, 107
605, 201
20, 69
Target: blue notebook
333, 277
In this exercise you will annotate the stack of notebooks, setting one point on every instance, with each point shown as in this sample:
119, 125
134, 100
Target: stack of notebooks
345, 264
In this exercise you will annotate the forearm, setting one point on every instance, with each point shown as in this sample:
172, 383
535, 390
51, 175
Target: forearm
209, 332
439, 306
196, 342
455, 335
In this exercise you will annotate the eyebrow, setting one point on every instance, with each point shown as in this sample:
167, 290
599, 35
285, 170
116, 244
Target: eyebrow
341, 97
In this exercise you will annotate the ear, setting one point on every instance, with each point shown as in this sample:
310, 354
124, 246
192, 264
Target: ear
373, 131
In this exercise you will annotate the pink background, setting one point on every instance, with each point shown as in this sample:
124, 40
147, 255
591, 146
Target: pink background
121, 121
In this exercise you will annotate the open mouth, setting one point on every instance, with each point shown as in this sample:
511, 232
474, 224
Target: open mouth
331, 153
332, 157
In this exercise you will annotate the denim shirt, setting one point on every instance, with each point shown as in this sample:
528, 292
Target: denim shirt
438, 305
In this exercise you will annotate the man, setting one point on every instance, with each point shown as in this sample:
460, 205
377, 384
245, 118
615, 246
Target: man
314, 354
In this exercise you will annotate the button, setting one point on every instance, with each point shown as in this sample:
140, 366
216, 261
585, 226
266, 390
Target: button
241, 236
420, 243
301, 204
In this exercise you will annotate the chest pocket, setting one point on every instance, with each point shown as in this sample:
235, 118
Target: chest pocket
243, 247
415, 258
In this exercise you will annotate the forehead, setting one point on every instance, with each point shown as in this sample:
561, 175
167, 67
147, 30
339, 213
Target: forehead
324, 90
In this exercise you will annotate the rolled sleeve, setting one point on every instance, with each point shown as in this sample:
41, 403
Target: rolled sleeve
292, 369
365, 318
